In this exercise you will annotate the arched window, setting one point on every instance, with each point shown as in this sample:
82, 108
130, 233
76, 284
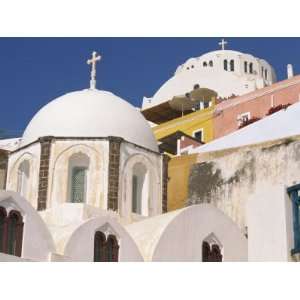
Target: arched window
23, 178
3, 222
266, 74
140, 189
204, 64
225, 62
211, 249
99, 246
211, 253
105, 250
245, 67
232, 65
112, 248
78, 173
14, 233
251, 68
205, 251
211, 63
11, 232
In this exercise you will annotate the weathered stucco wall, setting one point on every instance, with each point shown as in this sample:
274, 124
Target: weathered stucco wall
249, 185
178, 173
228, 178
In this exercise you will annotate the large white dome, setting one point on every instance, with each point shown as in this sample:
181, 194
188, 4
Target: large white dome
208, 71
90, 113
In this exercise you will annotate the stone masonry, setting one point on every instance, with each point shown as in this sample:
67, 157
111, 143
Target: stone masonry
113, 172
44, 171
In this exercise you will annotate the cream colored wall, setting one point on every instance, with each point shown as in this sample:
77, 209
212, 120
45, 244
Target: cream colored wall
97, 178
129, 156
32, 154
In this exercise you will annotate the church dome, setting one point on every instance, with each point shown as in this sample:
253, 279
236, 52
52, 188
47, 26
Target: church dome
90, 113
227, 72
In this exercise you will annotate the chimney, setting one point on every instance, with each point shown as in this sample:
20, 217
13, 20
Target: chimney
290, 72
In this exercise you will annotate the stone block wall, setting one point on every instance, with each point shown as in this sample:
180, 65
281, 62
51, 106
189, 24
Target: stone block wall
44, 171
113, 172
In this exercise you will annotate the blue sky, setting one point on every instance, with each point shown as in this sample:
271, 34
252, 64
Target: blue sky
34, 71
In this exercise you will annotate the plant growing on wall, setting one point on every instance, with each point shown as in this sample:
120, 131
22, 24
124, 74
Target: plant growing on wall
277, 108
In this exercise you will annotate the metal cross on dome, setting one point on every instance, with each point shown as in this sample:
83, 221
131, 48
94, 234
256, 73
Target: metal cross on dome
93, 62
223, 43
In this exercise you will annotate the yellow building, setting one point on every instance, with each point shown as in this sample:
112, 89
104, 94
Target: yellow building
182, 122
189, 116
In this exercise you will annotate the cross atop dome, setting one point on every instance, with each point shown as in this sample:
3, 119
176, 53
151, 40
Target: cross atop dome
223, 43
93, 62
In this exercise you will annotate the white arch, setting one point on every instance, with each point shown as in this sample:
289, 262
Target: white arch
32, 182
37, 240
125, 189
80, 245
178, 235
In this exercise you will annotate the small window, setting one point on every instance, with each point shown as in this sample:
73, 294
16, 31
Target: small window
225, 62
251, 68
266, 74
204, 64
192, 66
198, 135
245, 67
262, 71
196, 86
244, 117
187, 68
211, 63
232, 65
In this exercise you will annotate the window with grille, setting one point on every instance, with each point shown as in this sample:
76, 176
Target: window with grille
78, 185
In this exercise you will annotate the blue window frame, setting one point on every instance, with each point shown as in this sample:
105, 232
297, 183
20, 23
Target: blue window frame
294, 193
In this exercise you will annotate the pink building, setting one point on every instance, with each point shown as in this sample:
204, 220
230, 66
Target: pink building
230, 114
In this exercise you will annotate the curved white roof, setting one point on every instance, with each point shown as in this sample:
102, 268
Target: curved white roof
90, 113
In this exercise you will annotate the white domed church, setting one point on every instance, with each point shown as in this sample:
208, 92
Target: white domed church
87, 183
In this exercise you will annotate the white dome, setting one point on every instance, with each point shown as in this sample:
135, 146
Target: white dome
90, 113
208, 71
